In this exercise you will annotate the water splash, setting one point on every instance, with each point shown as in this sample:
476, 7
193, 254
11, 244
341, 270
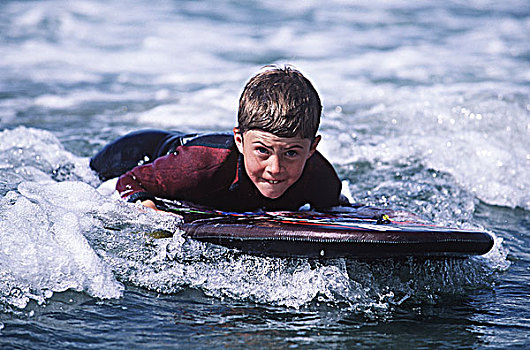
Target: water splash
475, 140
29, 154
44, 250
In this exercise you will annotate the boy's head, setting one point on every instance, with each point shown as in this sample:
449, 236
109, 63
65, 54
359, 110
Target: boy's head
279, 115
280, 101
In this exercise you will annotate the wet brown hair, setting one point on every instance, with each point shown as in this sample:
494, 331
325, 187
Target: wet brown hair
280, 100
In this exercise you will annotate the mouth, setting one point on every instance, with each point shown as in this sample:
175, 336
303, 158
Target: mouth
273, 182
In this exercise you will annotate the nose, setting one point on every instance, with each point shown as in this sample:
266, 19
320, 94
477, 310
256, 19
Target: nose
274, 165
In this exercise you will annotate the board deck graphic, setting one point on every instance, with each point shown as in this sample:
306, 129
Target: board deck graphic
352, 234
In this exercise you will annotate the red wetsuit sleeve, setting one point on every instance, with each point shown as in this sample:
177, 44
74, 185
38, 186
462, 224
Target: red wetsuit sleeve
188, 173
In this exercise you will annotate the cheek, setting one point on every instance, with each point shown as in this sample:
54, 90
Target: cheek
295, 170
253, 166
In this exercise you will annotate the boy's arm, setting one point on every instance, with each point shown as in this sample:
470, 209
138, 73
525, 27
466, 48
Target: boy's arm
165, 178
188, 172
138, 185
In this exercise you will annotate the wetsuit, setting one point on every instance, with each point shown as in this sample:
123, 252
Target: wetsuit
205, 169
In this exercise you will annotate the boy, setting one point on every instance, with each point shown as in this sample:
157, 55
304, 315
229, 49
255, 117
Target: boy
270, 161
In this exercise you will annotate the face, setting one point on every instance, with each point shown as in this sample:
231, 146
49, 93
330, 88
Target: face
273, 163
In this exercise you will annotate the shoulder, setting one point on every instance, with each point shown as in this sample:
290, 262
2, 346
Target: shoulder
207, 151
192, 170
323, 182
196, 152
318, 165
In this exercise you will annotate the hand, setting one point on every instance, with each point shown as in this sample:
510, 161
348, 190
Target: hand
149, 204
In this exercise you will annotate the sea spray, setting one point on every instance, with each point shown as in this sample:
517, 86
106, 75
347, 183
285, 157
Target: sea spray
44, 251
29, 154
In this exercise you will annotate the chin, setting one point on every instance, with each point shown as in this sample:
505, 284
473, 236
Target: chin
271, 194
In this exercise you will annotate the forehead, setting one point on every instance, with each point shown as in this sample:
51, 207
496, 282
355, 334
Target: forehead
268, 139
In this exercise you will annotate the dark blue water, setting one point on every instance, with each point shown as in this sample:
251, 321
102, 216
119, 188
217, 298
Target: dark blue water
426, 109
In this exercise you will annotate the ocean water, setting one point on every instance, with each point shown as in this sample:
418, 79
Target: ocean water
426, 109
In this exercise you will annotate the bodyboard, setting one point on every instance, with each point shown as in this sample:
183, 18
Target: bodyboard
362, 232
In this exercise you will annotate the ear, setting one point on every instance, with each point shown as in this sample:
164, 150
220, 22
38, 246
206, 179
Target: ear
238, 138
314, 145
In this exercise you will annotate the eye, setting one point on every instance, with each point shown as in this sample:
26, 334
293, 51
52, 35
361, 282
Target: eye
262, 150
291, 153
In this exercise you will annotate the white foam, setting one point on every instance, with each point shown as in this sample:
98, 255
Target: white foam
78, 97
212, 108
447, 129
34, 154
44, 249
